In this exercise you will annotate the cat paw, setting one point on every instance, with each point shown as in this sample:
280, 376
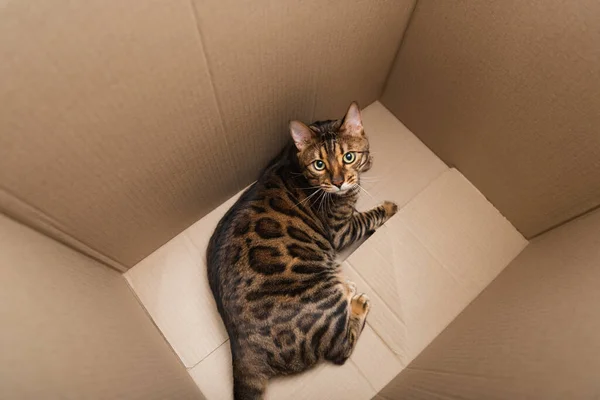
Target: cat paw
390, 208
360, 304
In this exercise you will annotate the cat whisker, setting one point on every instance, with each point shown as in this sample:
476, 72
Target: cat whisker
369, 178
307, 198
321, 199
369, 183
329, 188
309, 187
364, 162
329, 203
324, 202
365, 190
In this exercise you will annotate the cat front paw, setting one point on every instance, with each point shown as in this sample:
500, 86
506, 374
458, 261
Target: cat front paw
390, 208
360, 304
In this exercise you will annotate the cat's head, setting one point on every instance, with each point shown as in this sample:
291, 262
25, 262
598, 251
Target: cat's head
333, 154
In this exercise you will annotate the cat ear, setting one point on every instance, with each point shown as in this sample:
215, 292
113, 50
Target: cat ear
352, 124
302, 135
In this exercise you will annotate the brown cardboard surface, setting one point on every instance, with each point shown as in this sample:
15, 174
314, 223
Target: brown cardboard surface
106, 121
122, 123
430, 261
508, 92
33, 217
532, 334
172, 285
72, 329
275, 61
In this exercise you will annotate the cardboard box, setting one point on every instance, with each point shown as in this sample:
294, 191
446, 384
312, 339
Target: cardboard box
127, 130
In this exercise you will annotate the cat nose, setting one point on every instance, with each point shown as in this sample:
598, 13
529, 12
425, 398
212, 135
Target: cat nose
338, 181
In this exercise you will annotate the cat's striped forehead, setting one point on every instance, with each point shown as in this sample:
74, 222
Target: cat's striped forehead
328, 136
330, 144
326, 127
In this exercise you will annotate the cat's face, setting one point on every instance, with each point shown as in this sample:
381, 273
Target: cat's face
333, 154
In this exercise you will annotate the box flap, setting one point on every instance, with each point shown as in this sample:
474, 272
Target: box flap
124, 123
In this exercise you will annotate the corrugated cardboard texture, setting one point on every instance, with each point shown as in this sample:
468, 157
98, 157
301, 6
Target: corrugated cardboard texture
72, 329
532, 334
123, 123
509, 93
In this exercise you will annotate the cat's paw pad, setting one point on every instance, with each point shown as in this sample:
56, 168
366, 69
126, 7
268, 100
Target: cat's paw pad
351, 287
390, 208
360, 304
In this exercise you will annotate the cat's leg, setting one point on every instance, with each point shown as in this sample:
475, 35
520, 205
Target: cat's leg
248, 382
342, 349
362, 224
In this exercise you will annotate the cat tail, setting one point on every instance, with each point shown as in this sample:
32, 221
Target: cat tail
247, 384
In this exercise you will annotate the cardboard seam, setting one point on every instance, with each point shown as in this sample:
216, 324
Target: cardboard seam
131, 286
427, 249
429, 252
527, 239
198, 263
429, 393
132, 290
393, 313
402, 363
399, 318
400, 360
438, 372
398, 355
558, 225
397, 55
462, 285
208, 355
212, 88
54, 226
361, 373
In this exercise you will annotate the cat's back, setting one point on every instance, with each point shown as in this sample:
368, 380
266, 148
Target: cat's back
270, 232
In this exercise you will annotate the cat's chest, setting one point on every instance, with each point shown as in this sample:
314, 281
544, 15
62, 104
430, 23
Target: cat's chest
338, 213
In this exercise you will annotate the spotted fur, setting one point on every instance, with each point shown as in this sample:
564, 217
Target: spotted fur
271, 260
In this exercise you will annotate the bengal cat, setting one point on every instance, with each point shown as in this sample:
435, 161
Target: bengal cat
271, 259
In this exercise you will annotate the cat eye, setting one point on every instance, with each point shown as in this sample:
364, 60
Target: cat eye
349, 157
319, 165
